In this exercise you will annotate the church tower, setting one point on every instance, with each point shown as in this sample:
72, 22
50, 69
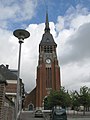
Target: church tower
48, 70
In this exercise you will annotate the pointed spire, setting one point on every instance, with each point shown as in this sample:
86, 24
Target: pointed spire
47, 29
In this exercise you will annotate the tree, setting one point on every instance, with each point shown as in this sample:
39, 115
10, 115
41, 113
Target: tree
84, 97
61, 98
75, 100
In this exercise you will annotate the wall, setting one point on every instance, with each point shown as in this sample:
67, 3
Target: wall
2, 99
7, 108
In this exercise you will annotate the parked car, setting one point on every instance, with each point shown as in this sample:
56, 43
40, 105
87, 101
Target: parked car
38, 113
59, 114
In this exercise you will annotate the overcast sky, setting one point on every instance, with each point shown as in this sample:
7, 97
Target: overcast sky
70, 27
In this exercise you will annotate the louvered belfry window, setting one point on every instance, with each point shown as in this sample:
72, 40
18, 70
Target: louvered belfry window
48, 49
48, 78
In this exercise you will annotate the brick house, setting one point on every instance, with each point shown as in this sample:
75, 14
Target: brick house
11, 78
48, 71
8, 88
7, 107
2, 96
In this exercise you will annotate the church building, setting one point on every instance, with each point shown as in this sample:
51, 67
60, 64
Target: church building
48, 71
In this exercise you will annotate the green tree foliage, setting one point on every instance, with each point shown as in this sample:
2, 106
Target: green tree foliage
81, 98
84, 97
75, 100
64, 99
61, 98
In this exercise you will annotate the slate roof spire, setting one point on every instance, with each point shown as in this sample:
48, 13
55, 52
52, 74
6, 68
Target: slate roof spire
47, 29
47, 38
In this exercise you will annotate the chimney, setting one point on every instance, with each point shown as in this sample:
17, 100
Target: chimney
7, 66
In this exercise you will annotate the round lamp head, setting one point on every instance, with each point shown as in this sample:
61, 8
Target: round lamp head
21, 34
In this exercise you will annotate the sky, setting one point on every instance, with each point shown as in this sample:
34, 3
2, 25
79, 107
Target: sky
69, 22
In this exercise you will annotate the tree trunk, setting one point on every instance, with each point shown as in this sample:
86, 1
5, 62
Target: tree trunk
84, 111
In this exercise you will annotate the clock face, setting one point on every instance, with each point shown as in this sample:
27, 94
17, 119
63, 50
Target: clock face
48, 60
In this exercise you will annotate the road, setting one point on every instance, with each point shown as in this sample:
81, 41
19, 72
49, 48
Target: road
78, 119
27, 115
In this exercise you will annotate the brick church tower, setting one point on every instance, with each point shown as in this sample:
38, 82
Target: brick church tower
48, 70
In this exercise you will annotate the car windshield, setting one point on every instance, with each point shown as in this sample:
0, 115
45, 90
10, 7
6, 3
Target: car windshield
60, 111
39, 111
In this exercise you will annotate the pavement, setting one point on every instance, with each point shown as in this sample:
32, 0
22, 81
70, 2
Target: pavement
78, 118
29, 115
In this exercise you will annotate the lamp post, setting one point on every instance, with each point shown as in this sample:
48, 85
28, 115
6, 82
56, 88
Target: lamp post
21, 35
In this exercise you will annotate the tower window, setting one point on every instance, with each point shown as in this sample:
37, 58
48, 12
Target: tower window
48, 78
48, 49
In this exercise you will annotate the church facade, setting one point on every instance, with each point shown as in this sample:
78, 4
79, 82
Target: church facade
48, 71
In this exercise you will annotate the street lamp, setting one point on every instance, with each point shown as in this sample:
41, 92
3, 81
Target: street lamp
21, 35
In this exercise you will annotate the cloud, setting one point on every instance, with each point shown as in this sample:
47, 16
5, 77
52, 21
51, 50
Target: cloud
28, 10
6, 51
73, 18
16, 11
74, 51
74, 35
74, 76
78, 46
60, 23
74, 48
72, 38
